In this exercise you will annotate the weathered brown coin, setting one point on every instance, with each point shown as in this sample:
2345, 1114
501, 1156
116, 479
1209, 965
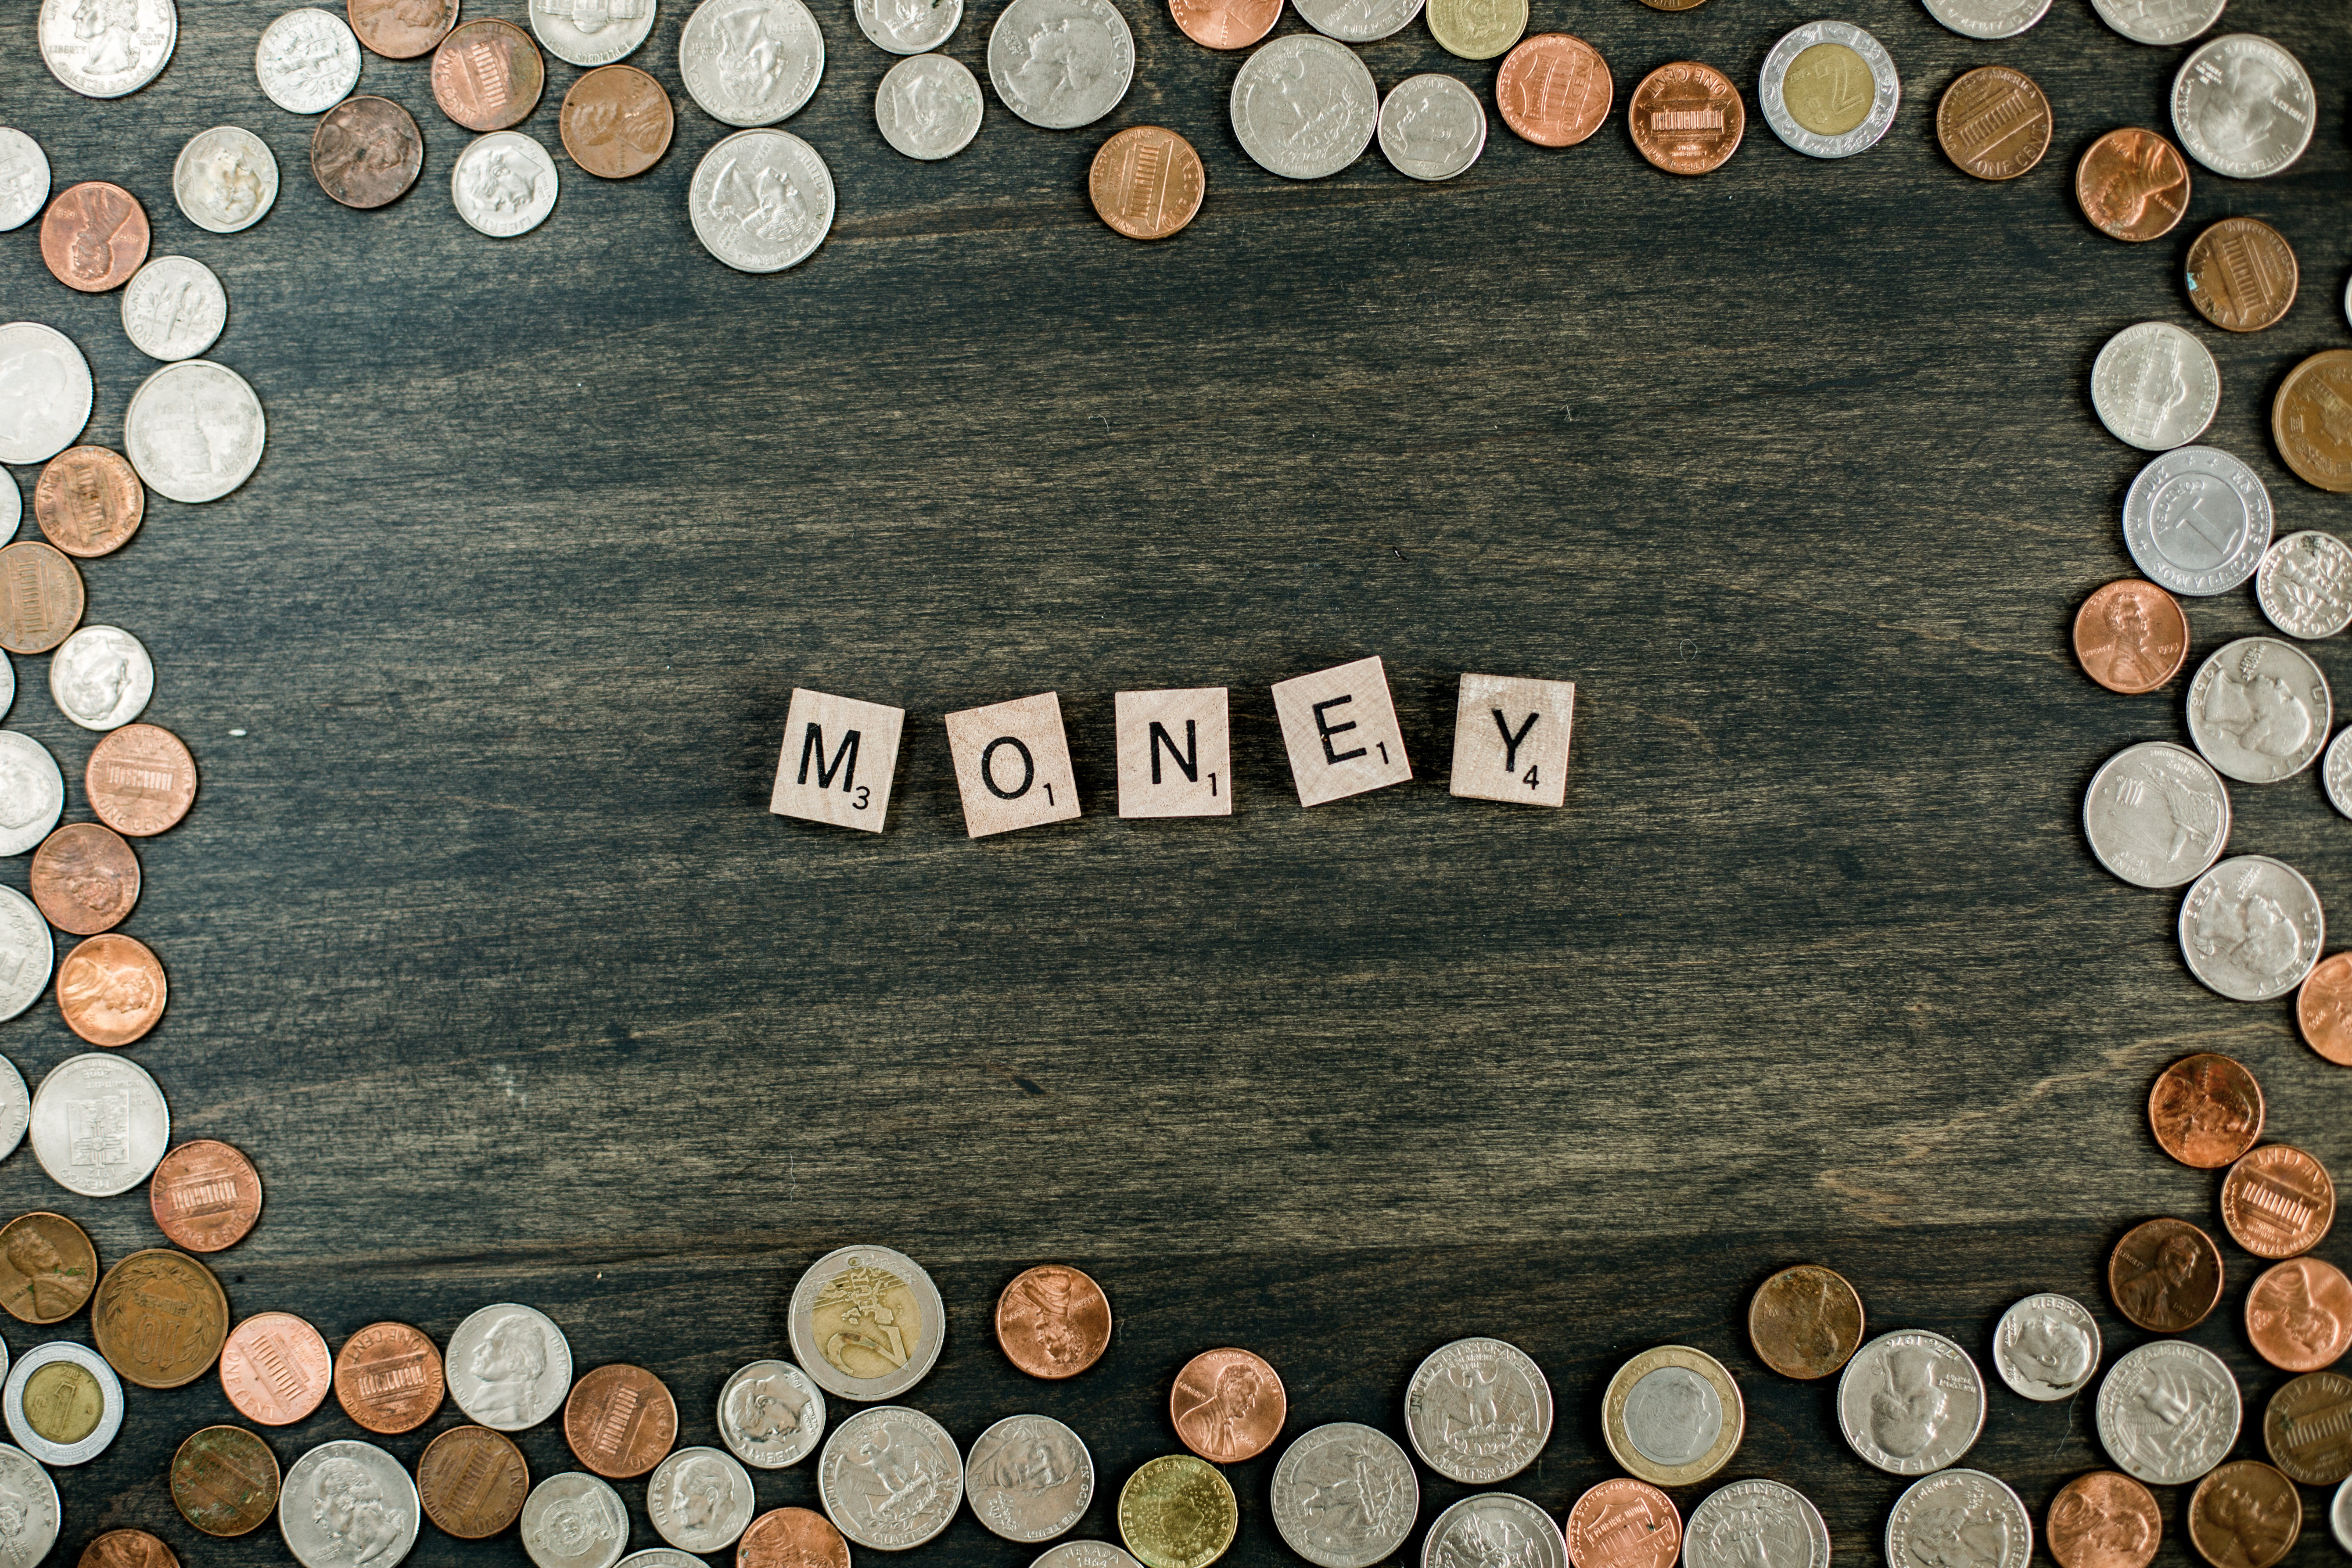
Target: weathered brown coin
2165, 1275
1686, 118
110, 990
388, 1378
1554, 89
2299, 1314
2323, 1009
2278, 1201
1052, 1321
127, 1548
85, 879
94, 237
1623, 1523
2311, 420
1805, 1321
1673, 5
619, 1420
2205, 1110
224, 1480
1147, 182
367, 152
2104, 1520
2244, 1514
275, 1369
2131, 636
488, 76
616, 121
88, 501
48, 1267
472, 1481
1993, 123
791, 1538
160, 1317
2132, 185
141, 779
1225, 23
2308, 1428
205, 1196
2242, 275
40, 598
403, 30
1227, 1405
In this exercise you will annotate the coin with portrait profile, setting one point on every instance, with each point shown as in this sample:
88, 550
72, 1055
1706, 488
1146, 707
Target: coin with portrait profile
1987, 18
1224, 25
770, 1414
865, 1323
509, 1367
2046, 1347
346, 1498
127, 1548
2307, 1428
788, 1538
1475, 29
2104, 1520
112, 990
1227, 1405
616, 122
48, 1267
106, 51
174, 309
2131, 636
1910, 1402
700, 1500
2299, 1314
2206, 1109
2244, 1514
85, 878
1029, 1478
1672, 1416
366, 150
32, 797
2323, 1007
27, 954
46, 382
2165, 1275
1805, 1321
2168, 1412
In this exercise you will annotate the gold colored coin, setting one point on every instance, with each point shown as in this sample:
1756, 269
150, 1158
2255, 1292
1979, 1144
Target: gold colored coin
1805, 1321
1476, 29
1829, 89
867, 1321
1177, 1511
1673, 1417
63, 1403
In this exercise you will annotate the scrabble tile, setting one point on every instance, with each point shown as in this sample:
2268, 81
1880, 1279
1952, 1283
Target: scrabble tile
1013, 764
1175, 753
838, 760
1510, 738
1341, 729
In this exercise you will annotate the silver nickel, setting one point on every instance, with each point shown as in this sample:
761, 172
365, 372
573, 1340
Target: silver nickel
33, 1504
1358, 21
2244, 106
865, 1323
1478, 1411
2157, 815
100, 1125
308, 61
2249, 929
889, 1478
1304, 107
908, 26
100, 678
24, 179
32, 791
753, 62
1886, 89
348, 1504
587, 33
82, 1449
1987, 18
504, 184
1910, 1402
1029, 1478
2336, 772
1494, 1528
16, 1115
44, 392
1344, 1495
2163, 23
224, 179
1085, 1554
1757, 1525
174, 309
105, 50
700, 1500
761, 201
27, 954
2046, 1347
2168, 1412
194, 430
1432, 127
1061, 64
2304, 585
2259, 709
2155, 387
928, 107
770, 1415
2198, 521
1959, 1519
573, 1521
509, 1367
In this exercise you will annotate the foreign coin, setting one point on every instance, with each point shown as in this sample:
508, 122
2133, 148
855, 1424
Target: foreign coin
2308, 419
574, 1521
1476, 29
1829, 89
1672, 1416
865, 1323
96, 1084
1178, 1511
1910, 1402
62, 1403
2196, 521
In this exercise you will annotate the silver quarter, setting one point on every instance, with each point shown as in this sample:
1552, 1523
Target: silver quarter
1061, 64
753, 62
32, 791
2157, 815
1756, 1524
2168, 1412
1886, 89
928, 107
100, 1125
308, 61
2046, 1347
700, 1500
44, 392
1085, 1554
2251, 930
1959, 1519
2155, 387
2304, 585
2198, 521
2244, 106
770, 1415
1358, 21
194, 430
661, 1557
35, 1504
1344, 1494
27, 954
1304, 107
2336, 773
865, 1323
509, 1367
2339, 1516
889, 1478
1478, 1411
1432, 127
2160, 22
1029, 1478
908, 26
591, 32
16, 1115
1492, 1529
346, 1504
1987, 18
2259, 709
90, 1444
108, 51
761, 201
224, 179
1910, 1402
100, 678
504, 184
573, 1521
24, 179
174, 309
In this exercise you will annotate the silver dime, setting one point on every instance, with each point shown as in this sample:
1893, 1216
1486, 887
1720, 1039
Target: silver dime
32, 791
35, 1505
308, 61
2196, 521
1344, 1495
1061, 64
865, 1323
699, 1499
928, 107
2155, 387
1085, 1554
509, 1367
44, 392
889, 1478
1358, 21
1304, 107
82, 1449
1494, 1529
100, 678
761, 201
1432, 127
908, 26
174, 309
2259, 709
1987, 18
1959, 1519
2251, 930
100, 1125
1478, 1411
2162, 22
2046, 1347
573, 1521
1910, 1402
661, 1557
194, 430
770, 1415
104, 50
503, 184
2336, 772
2168, 1412
224, 179
2157, 815
1756, 1524
592, 31
348, 1504
16, 1115
2304, 585
2244, 106
753, 62
24, 179
1029, 1478
1886, 89
27, 954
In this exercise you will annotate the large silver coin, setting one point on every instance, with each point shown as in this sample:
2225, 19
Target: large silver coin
592, 31
509, 1367
2157, 815
1304, 107
928, 107
104, 49
1958, 1517
761, 201
2259, 709
24, 179
700, 1500
889, 1478
865, 1323
2304, 585
100, 678
1987, 18
31, 1498
2160, 22
752, 62
1478, 1411
16, 1114
308, 61
44, 392
224, 179
1344, 1494
2335, 773
1862, 103
1493, 1527
2046, 1347
2155, 387
1910, 1402
348, 1504
2168, 1412
194, 430
1358, 21
2244, 106
504, 184
1757, 1525
1029, 1478
100, 1125
908, 26
2251, 930
1061, 64
32, 791
174, 309
69, 1432
1432, 127
1085, 1554
573, 1521
2196, 521
770, 1415
27, 954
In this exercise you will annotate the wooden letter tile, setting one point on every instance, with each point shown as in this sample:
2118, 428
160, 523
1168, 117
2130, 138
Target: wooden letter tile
838, 760
1175, 753
1341, 729
1510, 738
1013, 764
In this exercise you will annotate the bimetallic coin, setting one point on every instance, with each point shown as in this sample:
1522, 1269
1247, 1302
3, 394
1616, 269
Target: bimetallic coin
770, 1415
791, 1538
488, 76
1177, 1511
1805, 1321
388, 1378
24, 179
700, 1500
1223, 25
366, 150
194, 430
98, 1090
106, 51
1993, 123
619, 1420
224, 180
308, 61
2243, 107
1554, 89
2131, 636
865, 1323
1478, 1411
574, 1521
1622, 1523
2259, 710
889, 1478
1756, 1524
1304, 107
2205, 1110
1476, 29
1672, 1416
2155, 387
1357, 21
27, 952
509, 1367
1029, 1478
1910, 1402
2242, 275
62, 1403
140, 780
928, 107
2168, 1412
1432, 127
174, 309
2299, 1314
1085, 1554
590, 32
1959, 1515
504, 184
761, 201
345, 1499
2046, 1347
2196, 521
2160, 22
2278, 1201
32, 791
1686, 117
1829, 89
48, 1267
205, 1196
908, 26
1061, 64
2311, 418
2308, 1428
2103, 1519
1344, 1495
755, 62
224, 1480
2250, 929
1054, 1321
1491, 1527
94, 237
471, 1482
2304, 585
616, 122
2323, 1009
2245, 1515
1227, 1405
275, 1369
100, 678
2132, 186
1987, 18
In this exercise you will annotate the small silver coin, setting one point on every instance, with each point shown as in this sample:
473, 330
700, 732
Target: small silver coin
2160, 22
16, 1115
1873, 100
2243, 107
108, 51
1493, 1527
1756, 1524
174, 309
2304, 585
32, 791
2259, 709
889, 1478
587, 33
308, 61
2168, 1412
27, 954
100, 678
2196, 521
36, 1507
661, 1557
84, 1441
700, 1500
504, 184
1478, 1411
1910, 1402
509, 1367
1432, 127
770, 1415
928, 107
753, 62
761, 201
1304, 107
1358, 21
1061, 64
24, 179
2157, 815
572, 1521
2339, 1516
2251, 930
99, 1089
2336, 772
1987, 18
2046, 1347
1963, 1516
1029, 1478
1085, 1554
194, 430
1344, 1494
2155, 387
44, 392
908, 26
865, 1323
224, 179
347, 1503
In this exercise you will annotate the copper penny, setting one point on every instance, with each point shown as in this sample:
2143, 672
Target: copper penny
1147, 182
1623, 1523
40, 598
110, 990
367, 152
2299, 1314
1805, 1322
388, 1378
2244, 1514
2104, 1520
1673, 5
224, 1480
2323, 1009
619, 1420
1227, 1405
85, 878
1554, 89
94, 237
2311, 420
616, 121
1052, 1321
205, 1196
88, 501
791, 1538
2132, 185
141, 778
128, 1548
2205, 1110
1225, 23
2131, 636
2165, 1275
488, 76
275, 1369
2278, 1201
48, 1267
159, 1318
402, 29
472, 1481
2308, 1428
1686, 118
2242, 275
1993, 123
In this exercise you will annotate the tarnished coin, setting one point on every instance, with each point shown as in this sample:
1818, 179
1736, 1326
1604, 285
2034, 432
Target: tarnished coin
504, 184
1029, 1478
2046, 1347
865, 1323
889, 1478
661, 1557
2157, 815
2131, 636
2308, 1428
2103, 1519
111, 49
48, 1267
2299, 1314
1304, 107
32, 791
2304, 585
403, 30
194, 430
1052, 1321
761, 201
388, 1378
308, 61
1910, 1402
224, 1480
1085, 1554
1227, 1405
2132, 186
1829, 89
94, 237
367, 150
619, 1420
700, 1500
471, 1482
2155, 387
62, 1403
2311, 419
1805, 1321
173, 308
2165, 1275
1223, 25
160, 1317
1756, 1524
755, 62
1672, 1416
1686, 118
1959, 1516
1147, 183
205, 1196
2278, 1201
1993, 123
2245, 1515
2242, 275
1177, 1511
2168, 1412
224, 179
791, 1538
770, 1415
1344, 1495
26, 950
347, 1501
928, 107
1061, 64
1357, 21
1491, 1527
488, 76
44, 392
2250, 929
509, 1367
140, 780
24, 179
908, 26
1476, 29
574, 1521
2205, 1110
88, 501
2160, 22
1987, 18
100, 1125
44, 605
1622, 1523
591, 32
2243, 107
1554, 89
1478, 1411
276, 1370
1432, 127
2196, 521
100, 678
616, 122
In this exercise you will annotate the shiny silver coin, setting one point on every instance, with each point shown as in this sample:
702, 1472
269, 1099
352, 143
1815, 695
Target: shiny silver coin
2304, 585
2046, 1347
1478, 1411
592, 31
1085, 1554
1959, 1516
1987, 18
1344, 1494
32, 791
572, 1521
1672, 1416
1061, 64
2243, 107
908, 26
97, 1090
346, 1503
11, 506
1910, 1402
2157, 815
1493, 1527
509, 1367
44, 392
24, 179
224, 179
108, 51
1851, 90
2339, 1516
100, 678
1756, 1524
34, 1505
504, 184
1304, 107
753, 62
16, 1115
928, 107
2155, 387
761, 201
661, 1557
27, 954
2251, 930
1029, 1478
194, 430
174, 309
308, 61
1358, 21
865, 1323
2259, 709
12, 515
2160, 22
700, 1500
889, 1478
2196, 521
770, 1415
1432, 127
2336, 772
2168, 1412
74, 1405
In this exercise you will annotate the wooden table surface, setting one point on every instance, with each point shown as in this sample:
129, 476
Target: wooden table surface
483, 944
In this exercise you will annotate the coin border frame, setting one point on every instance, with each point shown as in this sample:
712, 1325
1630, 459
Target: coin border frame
1886, 90
2139, 524
1886, 1533
802, 1303
2098, 1348
1118, 1504
1984, 1400
1322, 1560
1726, 1440
2172, 1344
110, 1408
